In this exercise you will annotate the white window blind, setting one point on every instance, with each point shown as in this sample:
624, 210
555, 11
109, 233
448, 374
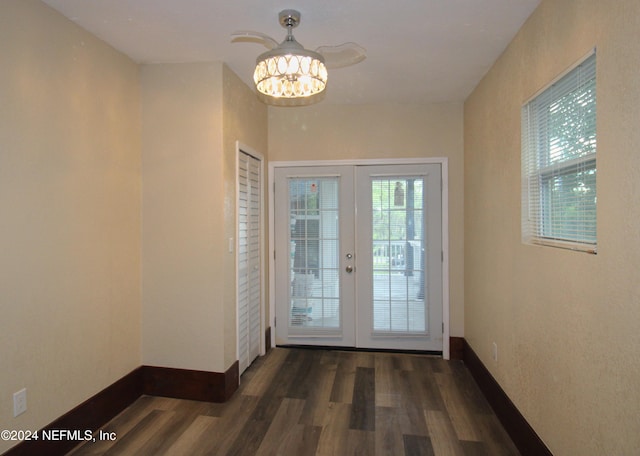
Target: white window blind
559, 162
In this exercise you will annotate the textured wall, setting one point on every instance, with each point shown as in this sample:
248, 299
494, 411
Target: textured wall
70, 205
566, 323
192, 116
332, 132
182, 216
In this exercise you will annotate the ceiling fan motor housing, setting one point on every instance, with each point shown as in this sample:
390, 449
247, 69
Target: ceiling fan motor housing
289, 18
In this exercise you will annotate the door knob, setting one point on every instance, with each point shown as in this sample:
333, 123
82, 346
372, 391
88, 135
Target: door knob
349, 269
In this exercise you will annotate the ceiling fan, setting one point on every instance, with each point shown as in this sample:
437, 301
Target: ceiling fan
288, 74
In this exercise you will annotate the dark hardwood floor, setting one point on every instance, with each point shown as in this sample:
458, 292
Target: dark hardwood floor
297, 402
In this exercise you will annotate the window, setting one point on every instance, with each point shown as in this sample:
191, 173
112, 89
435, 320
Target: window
559, 162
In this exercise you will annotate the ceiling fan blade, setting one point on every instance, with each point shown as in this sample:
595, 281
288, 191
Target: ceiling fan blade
249, 36
342, 55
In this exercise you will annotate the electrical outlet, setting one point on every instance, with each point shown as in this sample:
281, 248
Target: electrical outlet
19, 402
494, 352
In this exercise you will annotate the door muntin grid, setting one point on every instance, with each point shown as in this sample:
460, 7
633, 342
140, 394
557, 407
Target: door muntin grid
314, 266
400, 304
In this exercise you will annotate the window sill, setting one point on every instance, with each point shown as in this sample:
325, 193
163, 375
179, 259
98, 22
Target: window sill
566, 245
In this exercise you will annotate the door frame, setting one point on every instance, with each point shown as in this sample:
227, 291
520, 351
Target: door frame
444, 167
234, 246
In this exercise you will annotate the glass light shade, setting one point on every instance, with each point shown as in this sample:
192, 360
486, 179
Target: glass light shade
285, 74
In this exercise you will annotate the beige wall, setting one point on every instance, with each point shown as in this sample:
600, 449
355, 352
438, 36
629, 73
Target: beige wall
244, 120
332, 132
192, 116
70, 205
182, 216
566, 323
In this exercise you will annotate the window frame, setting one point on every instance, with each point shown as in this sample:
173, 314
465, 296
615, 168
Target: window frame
540, 164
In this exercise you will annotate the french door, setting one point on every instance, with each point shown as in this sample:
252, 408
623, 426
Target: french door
359, 256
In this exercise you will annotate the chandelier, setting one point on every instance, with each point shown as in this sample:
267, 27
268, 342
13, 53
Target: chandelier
289, 74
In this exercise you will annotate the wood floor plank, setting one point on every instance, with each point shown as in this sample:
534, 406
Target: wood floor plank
387, 394
342, 390
335, 430
474, 448
457, 409
469, 390
291, 381
363, 404
417, 445
304, 375
316, 403
389, 432
302, 440
360, 443
439, 365
431, 397
231, 423
190, 440
284, 421
443, 437
164, 403
423, 363
257, 379
331, 357
148, 430
411, 410
402, 361
183, 416
337, 439
365, 359
121, 425
411, 417
494, 437
248, 442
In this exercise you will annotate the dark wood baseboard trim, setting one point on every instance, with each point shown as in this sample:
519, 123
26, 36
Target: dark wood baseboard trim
88, 416
105, 405
190, 384
267, 339
231, 381
522, 434
456, 348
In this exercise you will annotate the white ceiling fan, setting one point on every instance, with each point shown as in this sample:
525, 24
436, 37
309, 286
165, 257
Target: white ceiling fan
288, 74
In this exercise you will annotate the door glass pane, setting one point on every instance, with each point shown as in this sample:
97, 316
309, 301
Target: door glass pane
398, 255
314, 255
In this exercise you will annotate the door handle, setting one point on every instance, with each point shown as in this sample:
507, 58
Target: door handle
349, 269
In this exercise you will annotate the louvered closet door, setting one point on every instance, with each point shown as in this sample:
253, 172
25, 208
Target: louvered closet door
249, 248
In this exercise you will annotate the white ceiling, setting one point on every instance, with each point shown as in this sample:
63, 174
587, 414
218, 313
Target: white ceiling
418, 51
